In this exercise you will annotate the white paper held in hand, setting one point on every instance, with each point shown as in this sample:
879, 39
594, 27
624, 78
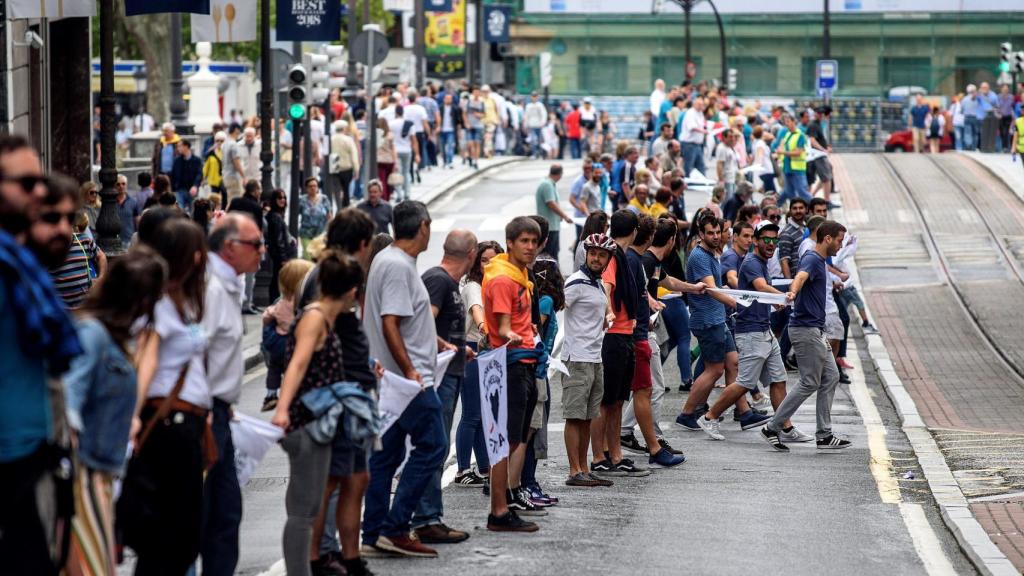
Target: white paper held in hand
396, 392
443, 360
252, 438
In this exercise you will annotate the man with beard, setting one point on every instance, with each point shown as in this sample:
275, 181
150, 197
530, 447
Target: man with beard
51, 238
37, 342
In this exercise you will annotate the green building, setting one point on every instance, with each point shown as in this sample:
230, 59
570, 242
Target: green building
773, 54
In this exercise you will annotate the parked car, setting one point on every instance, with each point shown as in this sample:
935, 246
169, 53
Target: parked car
903, 141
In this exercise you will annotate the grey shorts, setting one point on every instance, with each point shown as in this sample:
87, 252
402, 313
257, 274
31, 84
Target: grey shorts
823, 168
582, 390
833, 326
537, 420
760, 359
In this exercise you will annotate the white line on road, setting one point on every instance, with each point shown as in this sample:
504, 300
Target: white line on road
926, 543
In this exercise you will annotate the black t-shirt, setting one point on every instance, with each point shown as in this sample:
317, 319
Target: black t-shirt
814, 130
451, 315
355, 350
654, 271
643, 309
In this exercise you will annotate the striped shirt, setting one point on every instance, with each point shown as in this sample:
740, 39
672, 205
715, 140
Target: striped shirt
72, 279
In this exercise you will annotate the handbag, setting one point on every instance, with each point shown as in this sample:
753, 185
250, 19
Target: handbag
396, 179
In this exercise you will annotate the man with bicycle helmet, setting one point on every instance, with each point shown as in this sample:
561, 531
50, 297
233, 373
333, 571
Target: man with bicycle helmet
586, 316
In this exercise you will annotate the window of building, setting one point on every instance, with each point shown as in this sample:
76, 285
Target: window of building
974, 70
754, 75
809, 67
905, 71
672, 69
603, 74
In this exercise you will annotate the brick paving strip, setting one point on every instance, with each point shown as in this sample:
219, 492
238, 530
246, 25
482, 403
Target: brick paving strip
939, 373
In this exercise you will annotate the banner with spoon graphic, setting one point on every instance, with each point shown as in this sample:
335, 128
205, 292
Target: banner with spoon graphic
229, 21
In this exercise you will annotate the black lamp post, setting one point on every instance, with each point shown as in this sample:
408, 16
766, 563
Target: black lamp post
266, 100
687, 6
179, 111
108, 225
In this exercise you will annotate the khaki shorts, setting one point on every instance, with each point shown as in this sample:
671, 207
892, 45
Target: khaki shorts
537, 420
582, 390
233, 187
833, 326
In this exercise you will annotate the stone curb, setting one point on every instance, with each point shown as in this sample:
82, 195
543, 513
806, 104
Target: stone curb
953, 505
253, 356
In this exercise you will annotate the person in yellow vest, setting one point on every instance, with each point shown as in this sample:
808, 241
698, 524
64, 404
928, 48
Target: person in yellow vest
793, 150
213, 175
1017, 135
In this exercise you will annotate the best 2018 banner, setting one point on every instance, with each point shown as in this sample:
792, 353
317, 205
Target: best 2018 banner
137, 7
308, 20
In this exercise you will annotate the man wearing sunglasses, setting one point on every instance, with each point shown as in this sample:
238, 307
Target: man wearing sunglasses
37, 341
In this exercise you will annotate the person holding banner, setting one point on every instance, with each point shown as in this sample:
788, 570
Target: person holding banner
818, 370
400, 328
507, 293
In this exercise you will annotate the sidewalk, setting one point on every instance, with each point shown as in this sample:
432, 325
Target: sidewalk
1003, 167
436, 182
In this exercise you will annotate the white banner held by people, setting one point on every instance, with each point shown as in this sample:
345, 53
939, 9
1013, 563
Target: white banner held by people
252, 438
52, 9
494, 403
229, 21
747, 297
396, 393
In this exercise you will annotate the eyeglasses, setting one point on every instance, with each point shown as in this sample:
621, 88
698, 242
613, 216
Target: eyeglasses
770, 240
257, 244
54, 217
775, 217
27, 183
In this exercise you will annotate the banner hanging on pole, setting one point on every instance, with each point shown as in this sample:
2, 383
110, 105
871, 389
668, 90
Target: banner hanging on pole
308, 20
51, 9
228, 21
496, 23
138, 7
445, 40
494, 403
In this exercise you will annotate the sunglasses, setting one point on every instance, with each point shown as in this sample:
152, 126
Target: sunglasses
769, 240
775, 217
53, 218
257, 244
27, 183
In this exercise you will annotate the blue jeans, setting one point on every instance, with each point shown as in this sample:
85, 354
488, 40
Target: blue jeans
405, 164
574, 148
184, 200
222, 501
796, 187
423, 423
693, 157
431, 509
469, 436
677, 323
535, 149
958, 137
448, 146
972, 132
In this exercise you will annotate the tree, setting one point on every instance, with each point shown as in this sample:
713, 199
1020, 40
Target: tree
151, 36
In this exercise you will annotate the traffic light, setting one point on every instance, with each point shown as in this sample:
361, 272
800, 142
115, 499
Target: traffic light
1006, 55
297, 92
732, 79
336, 66
1018, 62
316, 79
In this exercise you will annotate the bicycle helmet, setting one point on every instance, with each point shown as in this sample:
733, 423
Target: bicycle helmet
600, 241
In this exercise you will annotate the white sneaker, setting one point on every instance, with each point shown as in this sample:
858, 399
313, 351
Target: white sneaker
764, 404
710, 427
794, 435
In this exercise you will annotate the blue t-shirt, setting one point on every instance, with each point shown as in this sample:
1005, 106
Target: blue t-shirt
547, 308
809, 308
643, 308
917, 115
730, 262
705, 311
25, 410
753, 318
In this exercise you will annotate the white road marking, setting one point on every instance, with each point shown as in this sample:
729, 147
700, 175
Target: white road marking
441, 225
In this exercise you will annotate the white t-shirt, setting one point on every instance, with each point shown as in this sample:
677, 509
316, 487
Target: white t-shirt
727, 156
761, 147
692, 120
179, 343
387, 114
402, 145
418, 115
316, 133
471, 296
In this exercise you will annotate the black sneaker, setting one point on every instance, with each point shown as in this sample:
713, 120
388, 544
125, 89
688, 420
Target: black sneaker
326, 566
772, 438
510, 522
843, 378
629, 442
487, 487
356, 567
736, 415
666, 446
685, 386
469, 478
627, 468
270, 401
519, 502
600, 481
832, 442
605, 468
790, 364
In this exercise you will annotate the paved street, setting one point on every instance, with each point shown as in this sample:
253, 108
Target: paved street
733, 508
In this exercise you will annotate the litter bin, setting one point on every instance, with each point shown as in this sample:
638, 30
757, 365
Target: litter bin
989, 133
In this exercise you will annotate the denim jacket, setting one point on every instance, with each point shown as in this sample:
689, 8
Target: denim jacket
100, 391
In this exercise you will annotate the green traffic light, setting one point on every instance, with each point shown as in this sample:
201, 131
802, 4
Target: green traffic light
1004, 66
296, 111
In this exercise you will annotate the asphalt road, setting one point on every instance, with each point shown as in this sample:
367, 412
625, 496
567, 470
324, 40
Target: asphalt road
735, 507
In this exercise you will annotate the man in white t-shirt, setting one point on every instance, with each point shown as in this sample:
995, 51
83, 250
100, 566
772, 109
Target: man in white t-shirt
657, 97
727, 164
535, 118
691, 135
407, 150
417, 114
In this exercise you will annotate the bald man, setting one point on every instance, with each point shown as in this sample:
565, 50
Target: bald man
442, 284
236, 245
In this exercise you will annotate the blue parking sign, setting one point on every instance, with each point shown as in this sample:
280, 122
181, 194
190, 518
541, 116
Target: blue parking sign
827, 75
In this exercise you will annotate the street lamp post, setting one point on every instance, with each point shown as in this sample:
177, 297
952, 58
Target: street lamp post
179, 112
687, 6
108, 225
826, 37
267, 90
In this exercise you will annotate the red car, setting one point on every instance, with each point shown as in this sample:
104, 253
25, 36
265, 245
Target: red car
903, 141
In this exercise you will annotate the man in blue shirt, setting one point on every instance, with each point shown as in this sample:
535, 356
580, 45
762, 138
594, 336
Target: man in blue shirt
818, 370
918, 113
707, 323
970, 105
